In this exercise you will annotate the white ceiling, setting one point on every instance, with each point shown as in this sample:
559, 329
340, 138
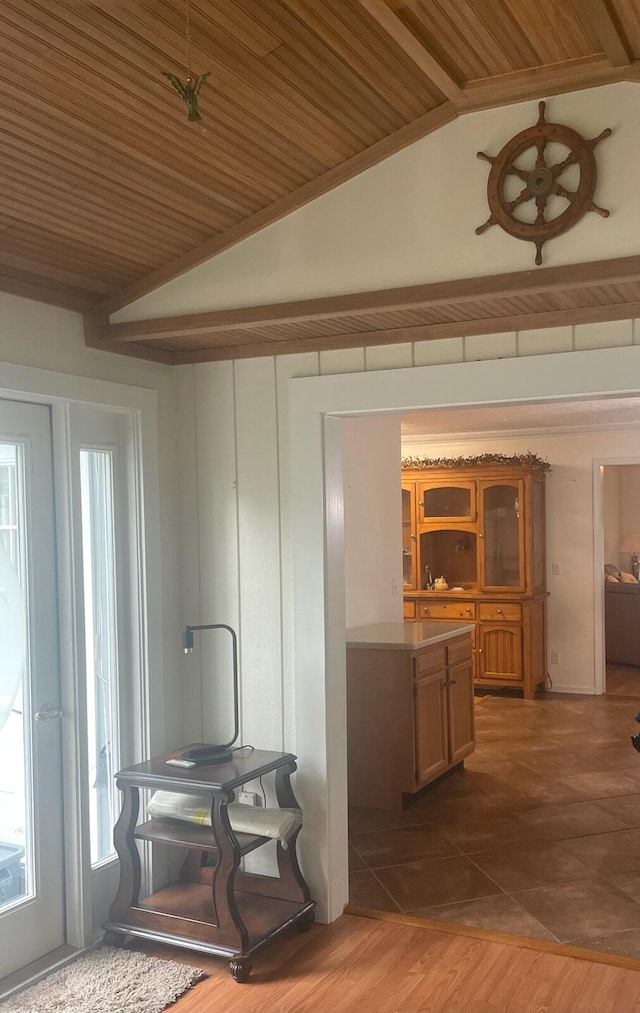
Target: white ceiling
517, 419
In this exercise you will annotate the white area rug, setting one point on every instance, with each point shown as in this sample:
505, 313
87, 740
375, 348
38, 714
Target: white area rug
108, 980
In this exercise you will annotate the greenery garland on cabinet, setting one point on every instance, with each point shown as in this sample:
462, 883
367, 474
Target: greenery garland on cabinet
529, 460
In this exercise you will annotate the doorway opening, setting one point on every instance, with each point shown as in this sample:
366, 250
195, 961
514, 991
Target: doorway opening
316, 406
511, 842
619, 529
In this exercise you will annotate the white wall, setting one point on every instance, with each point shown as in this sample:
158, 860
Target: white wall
372, 520
569, 512
411, 219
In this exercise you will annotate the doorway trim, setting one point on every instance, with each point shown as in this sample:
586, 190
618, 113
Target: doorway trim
316, 407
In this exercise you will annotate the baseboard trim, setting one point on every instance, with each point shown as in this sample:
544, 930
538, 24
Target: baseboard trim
491, 936
573, 690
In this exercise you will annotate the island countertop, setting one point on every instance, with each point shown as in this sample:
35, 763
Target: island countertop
405, 636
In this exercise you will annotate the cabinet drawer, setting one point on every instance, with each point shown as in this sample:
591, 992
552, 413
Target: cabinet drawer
458, 651
510, 612
446, 610
431, 660
409, 609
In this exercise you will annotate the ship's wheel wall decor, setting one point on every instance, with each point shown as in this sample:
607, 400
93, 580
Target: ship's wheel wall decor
541, 181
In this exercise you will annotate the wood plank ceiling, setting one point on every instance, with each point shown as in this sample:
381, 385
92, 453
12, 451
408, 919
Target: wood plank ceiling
107, 191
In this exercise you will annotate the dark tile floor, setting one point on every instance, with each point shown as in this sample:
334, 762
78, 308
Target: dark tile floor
539, 836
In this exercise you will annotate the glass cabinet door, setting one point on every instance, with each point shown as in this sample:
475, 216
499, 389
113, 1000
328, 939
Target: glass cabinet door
538, 567
450, 501
502, 534
409, 562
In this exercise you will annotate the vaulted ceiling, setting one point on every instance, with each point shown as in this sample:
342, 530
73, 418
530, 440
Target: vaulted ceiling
108, 191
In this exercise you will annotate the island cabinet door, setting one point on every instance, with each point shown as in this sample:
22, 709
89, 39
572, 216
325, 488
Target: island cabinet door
431, 740
460, 711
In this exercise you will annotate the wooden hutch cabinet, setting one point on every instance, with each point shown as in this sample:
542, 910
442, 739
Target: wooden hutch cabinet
481, 526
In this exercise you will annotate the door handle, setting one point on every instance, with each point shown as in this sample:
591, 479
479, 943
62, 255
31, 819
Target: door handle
48, 713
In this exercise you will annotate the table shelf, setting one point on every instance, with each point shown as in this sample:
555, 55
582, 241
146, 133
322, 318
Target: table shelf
164, 830
263, 914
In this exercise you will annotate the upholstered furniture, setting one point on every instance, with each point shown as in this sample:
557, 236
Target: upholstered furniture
622, 623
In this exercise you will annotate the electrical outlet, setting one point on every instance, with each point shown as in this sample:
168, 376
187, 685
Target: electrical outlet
249, 798
555, 569
555, 657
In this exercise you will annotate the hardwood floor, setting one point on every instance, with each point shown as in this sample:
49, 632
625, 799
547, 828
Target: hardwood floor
359, 964
623, 680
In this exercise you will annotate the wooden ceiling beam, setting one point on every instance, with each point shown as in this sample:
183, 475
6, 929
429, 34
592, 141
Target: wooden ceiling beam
459, 292
596, 18
393, 27
423, 332
92, 321
400, 139
52, 274
491, 93
41, 289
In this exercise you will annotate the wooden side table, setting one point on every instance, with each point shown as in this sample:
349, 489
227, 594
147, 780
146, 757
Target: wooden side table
214, 908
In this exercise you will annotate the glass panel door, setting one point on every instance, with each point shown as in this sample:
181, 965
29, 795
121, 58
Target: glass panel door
31, 851
107, 554
502, 534
15, 803
101, 647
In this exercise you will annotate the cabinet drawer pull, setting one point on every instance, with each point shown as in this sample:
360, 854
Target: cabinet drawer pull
452, 682
468, 611
500, 612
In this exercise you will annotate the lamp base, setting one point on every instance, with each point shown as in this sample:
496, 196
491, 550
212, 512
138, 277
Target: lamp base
204, 755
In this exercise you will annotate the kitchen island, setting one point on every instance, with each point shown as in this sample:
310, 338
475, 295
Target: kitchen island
410, 715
